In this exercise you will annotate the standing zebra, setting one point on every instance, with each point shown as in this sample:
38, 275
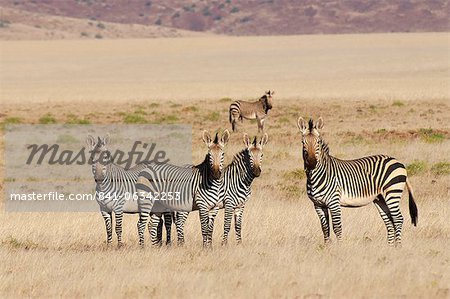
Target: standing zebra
333, 183
199, 186
114, 189
251, 110
237, 179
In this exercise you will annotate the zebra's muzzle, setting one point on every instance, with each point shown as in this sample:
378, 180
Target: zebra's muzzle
257, 171
310, 163
216, 174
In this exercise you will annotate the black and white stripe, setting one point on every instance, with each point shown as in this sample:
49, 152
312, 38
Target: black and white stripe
333, 183
237, 179
115, 187
200, 188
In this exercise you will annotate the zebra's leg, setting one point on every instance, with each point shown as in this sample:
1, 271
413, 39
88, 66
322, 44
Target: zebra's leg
233, 125
238, 212
259, 121
324, 218
119, 215
392, 199
145, 206
159, 229
168, 225
155, 219
335, 211
262, 124
386, 216
180, 220
107, 216
204, 221
227, 224
211, 217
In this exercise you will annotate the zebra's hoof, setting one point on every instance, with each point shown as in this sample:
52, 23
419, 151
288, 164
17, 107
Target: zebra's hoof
120, 245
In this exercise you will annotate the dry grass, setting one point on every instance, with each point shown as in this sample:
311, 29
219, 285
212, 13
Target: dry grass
282, 255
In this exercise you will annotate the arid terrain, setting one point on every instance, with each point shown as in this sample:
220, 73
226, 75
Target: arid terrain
377, 93
230, 17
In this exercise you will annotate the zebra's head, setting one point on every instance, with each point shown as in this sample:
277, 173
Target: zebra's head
100, 156
311, 141
216, 154
267, 97
255, 152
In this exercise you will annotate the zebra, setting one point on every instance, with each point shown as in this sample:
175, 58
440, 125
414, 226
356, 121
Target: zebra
237, 179
251, 110
333, 183
200, 187
114, 189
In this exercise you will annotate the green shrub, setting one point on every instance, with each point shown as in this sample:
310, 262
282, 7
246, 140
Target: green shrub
430, 136
398, 103
213, 116
168, 119
47, 119
296, 174
441, 168
416, 167
13, 120
98, 36
224, 100
381, 131
134, 118
74, 120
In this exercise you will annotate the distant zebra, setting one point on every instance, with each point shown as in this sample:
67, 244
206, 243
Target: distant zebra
333, 183
237, 179
200, 188
114, 189
251, 110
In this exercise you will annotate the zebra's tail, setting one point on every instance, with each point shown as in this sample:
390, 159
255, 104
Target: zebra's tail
412, 204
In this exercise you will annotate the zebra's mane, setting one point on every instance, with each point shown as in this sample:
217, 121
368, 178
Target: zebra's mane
310, 125
325, 148
239, 156
263, 100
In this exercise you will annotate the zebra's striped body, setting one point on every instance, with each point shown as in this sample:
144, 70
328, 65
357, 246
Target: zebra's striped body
251, 110
200, 186
333, 183
115, 187
237, 179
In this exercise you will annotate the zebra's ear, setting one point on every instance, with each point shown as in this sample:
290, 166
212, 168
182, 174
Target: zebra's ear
273, 92
90, 141
302, 125
319, 124
264, 140
106, 139
206, 137
225, 137
246, 140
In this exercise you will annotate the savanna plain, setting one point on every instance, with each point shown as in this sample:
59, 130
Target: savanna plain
377, 93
